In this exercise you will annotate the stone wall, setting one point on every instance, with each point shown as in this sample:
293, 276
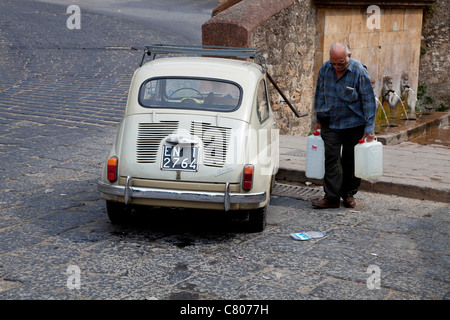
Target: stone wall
289, 42
435, 58
285, 32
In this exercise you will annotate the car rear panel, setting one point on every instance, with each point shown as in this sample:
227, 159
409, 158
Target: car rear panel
220, 144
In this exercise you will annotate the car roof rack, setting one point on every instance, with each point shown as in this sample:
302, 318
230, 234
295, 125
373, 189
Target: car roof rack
217, 51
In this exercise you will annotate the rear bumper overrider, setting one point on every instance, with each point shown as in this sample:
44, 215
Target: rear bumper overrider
129, 192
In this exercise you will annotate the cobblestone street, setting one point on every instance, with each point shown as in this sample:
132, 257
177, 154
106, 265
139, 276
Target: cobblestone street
62, 96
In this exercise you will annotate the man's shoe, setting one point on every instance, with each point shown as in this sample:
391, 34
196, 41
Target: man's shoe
324, 204
349, 202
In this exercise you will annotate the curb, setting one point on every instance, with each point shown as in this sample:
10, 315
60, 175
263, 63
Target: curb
384, 187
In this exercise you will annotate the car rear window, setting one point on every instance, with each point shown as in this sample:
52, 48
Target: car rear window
190, 93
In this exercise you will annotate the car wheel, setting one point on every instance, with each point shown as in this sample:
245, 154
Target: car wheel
257, 219
117, 212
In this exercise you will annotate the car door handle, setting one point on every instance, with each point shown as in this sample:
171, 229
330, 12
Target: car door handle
181, 140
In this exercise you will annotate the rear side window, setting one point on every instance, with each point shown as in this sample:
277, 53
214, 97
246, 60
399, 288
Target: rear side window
190, 93
262, 102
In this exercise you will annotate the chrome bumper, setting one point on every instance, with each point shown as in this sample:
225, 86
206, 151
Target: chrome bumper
227, 198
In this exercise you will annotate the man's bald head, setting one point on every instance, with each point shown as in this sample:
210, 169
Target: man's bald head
340, 48
339, 56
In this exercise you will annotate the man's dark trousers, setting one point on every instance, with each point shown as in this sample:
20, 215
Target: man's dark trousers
340, 180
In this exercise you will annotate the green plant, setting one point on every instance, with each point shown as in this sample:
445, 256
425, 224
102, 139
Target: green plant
442, 107
428, 100
429, 11
423, 50
421, 90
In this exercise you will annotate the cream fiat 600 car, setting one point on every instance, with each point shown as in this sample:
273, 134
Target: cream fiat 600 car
197, 132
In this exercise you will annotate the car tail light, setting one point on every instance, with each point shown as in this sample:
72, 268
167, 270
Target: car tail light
112, 168
247, 182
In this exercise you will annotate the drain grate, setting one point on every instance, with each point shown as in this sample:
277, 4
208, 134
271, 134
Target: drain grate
296, 192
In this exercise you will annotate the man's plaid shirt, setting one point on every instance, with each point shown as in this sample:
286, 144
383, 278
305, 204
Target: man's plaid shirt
349, 101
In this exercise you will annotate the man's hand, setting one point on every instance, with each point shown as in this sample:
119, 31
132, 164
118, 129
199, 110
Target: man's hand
317, 126
369, 136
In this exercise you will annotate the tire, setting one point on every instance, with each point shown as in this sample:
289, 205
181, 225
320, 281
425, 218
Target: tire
118, 213
257, 219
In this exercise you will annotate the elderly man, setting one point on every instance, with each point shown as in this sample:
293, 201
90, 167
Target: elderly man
345, 112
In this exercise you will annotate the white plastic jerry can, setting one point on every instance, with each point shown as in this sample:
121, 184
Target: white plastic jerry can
315, 156
368, 159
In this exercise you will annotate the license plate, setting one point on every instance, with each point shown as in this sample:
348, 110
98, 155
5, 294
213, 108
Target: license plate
180, 158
